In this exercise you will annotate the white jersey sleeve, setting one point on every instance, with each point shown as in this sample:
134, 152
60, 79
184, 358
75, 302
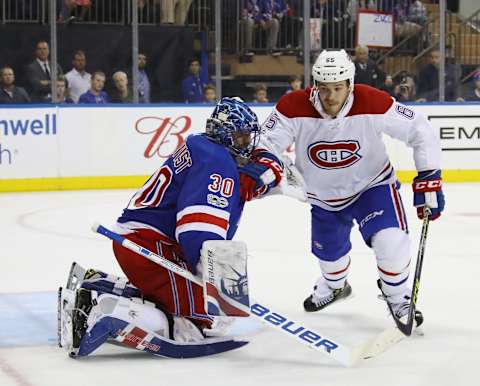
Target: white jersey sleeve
280, 133
413, 128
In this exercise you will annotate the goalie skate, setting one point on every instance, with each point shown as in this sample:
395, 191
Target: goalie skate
66, 303
75, 277
73, 309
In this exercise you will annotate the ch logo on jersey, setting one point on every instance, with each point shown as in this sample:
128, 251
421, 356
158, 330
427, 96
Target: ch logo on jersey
334, 155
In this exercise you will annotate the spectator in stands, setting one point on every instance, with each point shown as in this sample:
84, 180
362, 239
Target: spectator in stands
69, 5
143, 81
192, 85
121, 92
62, 91
9, 93
174, 11
473, 93
405, 27
38, 74
294, 84
209, 93
264, 13
354, 5
417, 13
260, 94
428, 79
366, 71
95, 95
405, 88
78, 79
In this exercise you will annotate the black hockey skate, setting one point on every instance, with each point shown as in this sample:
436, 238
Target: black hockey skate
313, 303
83, 306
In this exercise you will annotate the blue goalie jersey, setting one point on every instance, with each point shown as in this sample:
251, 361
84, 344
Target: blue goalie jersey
193, 197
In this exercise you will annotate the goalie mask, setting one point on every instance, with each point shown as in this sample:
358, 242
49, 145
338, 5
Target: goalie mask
234, 125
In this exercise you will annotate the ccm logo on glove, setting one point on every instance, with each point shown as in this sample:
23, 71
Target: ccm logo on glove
428, 186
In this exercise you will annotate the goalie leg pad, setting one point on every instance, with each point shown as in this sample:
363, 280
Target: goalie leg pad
140, 325
224, 273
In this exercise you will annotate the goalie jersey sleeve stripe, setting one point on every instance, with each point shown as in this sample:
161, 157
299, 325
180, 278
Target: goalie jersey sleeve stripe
202, 218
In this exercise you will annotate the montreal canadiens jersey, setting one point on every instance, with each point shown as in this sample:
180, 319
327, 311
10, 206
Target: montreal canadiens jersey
341, 157
193, 197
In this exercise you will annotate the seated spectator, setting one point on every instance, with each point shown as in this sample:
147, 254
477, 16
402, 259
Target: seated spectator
473, 93
260, 94
192, 85
38, 74
417, 13
69, 5
210, 94
174, 11
62, 91
428, 79
366, 71
78, 79
264, 13
121, 92
404, 27
9, 93
295, 83
143, 81
95, 95
354, 5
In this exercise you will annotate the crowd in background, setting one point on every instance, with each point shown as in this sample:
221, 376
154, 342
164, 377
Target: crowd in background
259, 18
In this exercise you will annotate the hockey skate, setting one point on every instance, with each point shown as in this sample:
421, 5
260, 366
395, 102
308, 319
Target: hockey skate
400, 310
318, 301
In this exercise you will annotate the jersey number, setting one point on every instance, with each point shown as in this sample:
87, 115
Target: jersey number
153, 191
224, 186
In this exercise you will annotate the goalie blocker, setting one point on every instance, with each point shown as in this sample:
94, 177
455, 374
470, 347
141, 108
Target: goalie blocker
96, 307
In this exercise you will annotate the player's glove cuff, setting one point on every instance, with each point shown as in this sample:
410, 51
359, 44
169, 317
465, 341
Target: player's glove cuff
427, 191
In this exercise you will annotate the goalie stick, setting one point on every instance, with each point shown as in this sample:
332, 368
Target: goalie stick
331, 348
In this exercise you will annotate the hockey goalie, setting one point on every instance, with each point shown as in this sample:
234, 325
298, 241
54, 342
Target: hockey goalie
195, 199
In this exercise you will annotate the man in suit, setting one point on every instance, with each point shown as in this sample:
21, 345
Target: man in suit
38, 74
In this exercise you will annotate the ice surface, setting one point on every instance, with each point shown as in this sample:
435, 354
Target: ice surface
42, 233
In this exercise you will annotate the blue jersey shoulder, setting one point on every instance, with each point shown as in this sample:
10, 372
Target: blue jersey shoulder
205, 152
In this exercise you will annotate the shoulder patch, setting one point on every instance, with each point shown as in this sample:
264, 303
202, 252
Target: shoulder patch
405, 111
219, 202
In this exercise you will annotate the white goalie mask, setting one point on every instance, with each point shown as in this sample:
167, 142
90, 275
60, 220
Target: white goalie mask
331, 67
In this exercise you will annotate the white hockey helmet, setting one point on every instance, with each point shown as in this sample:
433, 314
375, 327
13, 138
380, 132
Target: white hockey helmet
333, 66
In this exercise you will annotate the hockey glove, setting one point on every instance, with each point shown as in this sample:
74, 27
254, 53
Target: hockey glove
260, 175
427, 191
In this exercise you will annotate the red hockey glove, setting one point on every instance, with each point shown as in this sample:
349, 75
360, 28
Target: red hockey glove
260, 175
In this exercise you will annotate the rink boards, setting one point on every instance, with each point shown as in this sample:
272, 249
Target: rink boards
77, 147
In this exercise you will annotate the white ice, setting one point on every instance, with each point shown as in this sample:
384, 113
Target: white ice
42, 233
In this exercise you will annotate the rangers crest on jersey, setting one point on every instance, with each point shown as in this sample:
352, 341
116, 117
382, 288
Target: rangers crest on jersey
334, 155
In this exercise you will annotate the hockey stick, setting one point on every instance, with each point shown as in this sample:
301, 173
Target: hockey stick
329, 347
406, 328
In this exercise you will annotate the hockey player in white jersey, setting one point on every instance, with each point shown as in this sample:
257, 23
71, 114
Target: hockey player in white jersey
337, 130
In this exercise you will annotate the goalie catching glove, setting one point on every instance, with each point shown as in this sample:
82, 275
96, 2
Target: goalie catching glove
260, 175
427, 191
